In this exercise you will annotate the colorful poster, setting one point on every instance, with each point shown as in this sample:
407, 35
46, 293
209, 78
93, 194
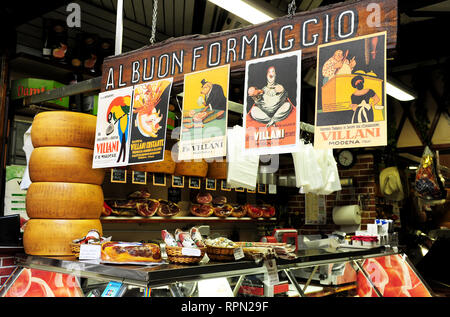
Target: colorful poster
148, 121
205, 114
111, 136
351, 94
271, 114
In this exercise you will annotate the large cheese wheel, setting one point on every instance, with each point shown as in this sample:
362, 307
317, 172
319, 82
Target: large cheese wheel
217, 170
63, 128
64, 164
64, 201
166, 166
197, 169
52, 237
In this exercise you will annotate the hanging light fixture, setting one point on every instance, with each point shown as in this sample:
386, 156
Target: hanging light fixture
244, 10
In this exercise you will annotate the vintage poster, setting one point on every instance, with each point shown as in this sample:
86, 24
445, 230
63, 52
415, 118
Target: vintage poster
271, 114
350, 93
111, 136
148, 121
205, 114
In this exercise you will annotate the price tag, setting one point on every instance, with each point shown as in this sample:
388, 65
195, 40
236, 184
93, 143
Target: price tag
272, 272
191, 251
272, 189
238, 253
90, 252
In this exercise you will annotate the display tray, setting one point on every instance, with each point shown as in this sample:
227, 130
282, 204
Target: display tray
168, 273
157, 219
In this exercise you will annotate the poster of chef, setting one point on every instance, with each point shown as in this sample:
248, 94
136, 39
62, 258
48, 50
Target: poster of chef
111, 136
351, 94
148, 121
271, 115
204, 120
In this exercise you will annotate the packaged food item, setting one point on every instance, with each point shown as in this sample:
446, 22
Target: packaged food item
221, 242
130, 252
167, 208
238, 211
184, 238
169, 239
197, 237
429, 185
202, 210
223, 211
204, 198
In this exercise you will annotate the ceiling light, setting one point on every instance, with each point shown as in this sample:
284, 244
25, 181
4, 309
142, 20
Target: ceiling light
398, 93
243, 10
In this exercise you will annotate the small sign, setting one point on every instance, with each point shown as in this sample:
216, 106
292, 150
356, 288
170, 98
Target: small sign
174, 194
210, 184
159, 179
178, 181
190, 252
224, 186
238, 253
194, 182
251, 191
272, 271
90, 252
262, 188
240, 189
138, 177
118, 175
272, 189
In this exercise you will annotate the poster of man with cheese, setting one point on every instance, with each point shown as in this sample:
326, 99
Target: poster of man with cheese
350, 93
204, 118
111, 136
149, 120
272, 104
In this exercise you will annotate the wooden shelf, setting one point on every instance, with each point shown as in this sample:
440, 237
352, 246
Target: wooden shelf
156, 219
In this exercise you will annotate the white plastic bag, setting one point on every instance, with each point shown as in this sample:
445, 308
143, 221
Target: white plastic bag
242, 169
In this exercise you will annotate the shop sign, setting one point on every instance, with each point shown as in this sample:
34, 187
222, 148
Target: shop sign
350, 93
303, 31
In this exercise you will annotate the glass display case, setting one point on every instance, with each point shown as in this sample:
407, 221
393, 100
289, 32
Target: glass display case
379, 271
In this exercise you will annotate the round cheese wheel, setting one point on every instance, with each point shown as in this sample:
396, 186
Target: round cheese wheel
217, 170
64, 164
166, 166
193, 168
52, 237
56, 200
64, 128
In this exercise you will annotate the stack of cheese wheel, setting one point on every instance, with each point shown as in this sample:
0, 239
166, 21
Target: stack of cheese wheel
217, 170
65, 199
192, 168
167, 166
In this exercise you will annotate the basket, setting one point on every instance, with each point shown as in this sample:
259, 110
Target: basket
175, 255
220, 253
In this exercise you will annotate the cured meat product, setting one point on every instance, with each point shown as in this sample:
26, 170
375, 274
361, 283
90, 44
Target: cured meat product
217, 115
139, 194
167, 208
202, 210
223, 211
198, 117
219, 200
238, 211
184, 238
168, 238
106, 210
197, 237
204, 198
268, 211
254, 211
121, 252
147, 208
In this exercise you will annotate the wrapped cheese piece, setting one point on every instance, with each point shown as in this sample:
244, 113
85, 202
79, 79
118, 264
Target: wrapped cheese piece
169, 239
197, 237
185, 239
242, 169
